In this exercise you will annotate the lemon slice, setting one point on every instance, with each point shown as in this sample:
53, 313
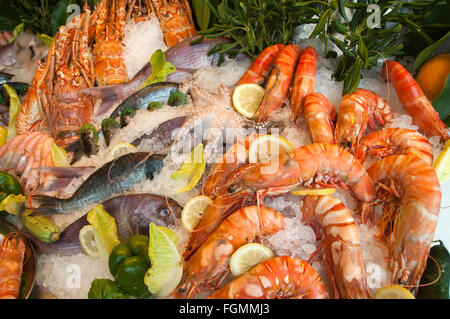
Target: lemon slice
393, 292
442, 164
3, 135
248, 256
122, 149
59, 156
267, 146
87, 240
313, 191
194, 210
246, 98
167, 266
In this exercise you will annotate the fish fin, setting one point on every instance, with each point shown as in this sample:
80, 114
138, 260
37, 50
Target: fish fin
65, 172
58, 184
47, 205
106, 105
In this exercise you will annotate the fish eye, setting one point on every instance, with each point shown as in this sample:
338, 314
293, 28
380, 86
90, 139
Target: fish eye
165, 212
349, 144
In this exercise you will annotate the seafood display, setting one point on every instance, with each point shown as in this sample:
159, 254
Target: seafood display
205, 175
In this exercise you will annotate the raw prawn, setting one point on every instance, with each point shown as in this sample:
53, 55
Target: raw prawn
210, 262
219, 209
12, 254
341, 251
414, 101
304, 81
259, 70
280, 277
324, 165
411, 208
320, 115
390, 141
279, 82
357, 111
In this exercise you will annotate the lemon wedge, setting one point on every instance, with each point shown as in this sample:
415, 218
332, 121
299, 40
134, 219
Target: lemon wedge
247, 97
248, 256
87, 240
59, 156
122, 148
442, 164
393, 292
193, 211
313, 191
267, 146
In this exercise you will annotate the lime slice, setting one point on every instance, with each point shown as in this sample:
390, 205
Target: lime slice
13, 204
393, 292
170, 233
313, 191
167, 266
105, 230
194, 210
14, 108
3, 135
267, 146
87, 240
248, 256
247, 98
194, 167
122, 148
442, 164
59, 156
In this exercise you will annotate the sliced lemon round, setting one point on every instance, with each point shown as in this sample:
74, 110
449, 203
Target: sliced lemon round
194, 210
248, 256
87, 240
59, 156
267, 146
393, 292
122, 148
442, 164
247, 97
3, 135
313, 191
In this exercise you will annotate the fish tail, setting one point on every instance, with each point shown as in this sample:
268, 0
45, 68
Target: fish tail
47, 205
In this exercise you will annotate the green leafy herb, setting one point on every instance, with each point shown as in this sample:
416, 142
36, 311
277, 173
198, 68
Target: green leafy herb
442, 102
160, 69
105, 289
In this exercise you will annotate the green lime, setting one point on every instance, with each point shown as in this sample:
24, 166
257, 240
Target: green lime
130, 276
117, 256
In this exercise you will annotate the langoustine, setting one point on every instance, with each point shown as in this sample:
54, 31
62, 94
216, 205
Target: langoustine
210, 262
341, 250
411, 196
12, 253
304, 80
279, 277
320, 115
414, 101
390, 141
357, 111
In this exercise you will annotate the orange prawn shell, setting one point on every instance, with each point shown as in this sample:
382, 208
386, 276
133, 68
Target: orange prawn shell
416, 215
320, 115
304, 81
12, 252
279, 277
414, 101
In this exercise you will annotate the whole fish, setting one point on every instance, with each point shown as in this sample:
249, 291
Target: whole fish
133, 214
112, 178
187, 59
157, 92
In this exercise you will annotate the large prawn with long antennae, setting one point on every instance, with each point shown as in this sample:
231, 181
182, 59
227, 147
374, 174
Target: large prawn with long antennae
12, 253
